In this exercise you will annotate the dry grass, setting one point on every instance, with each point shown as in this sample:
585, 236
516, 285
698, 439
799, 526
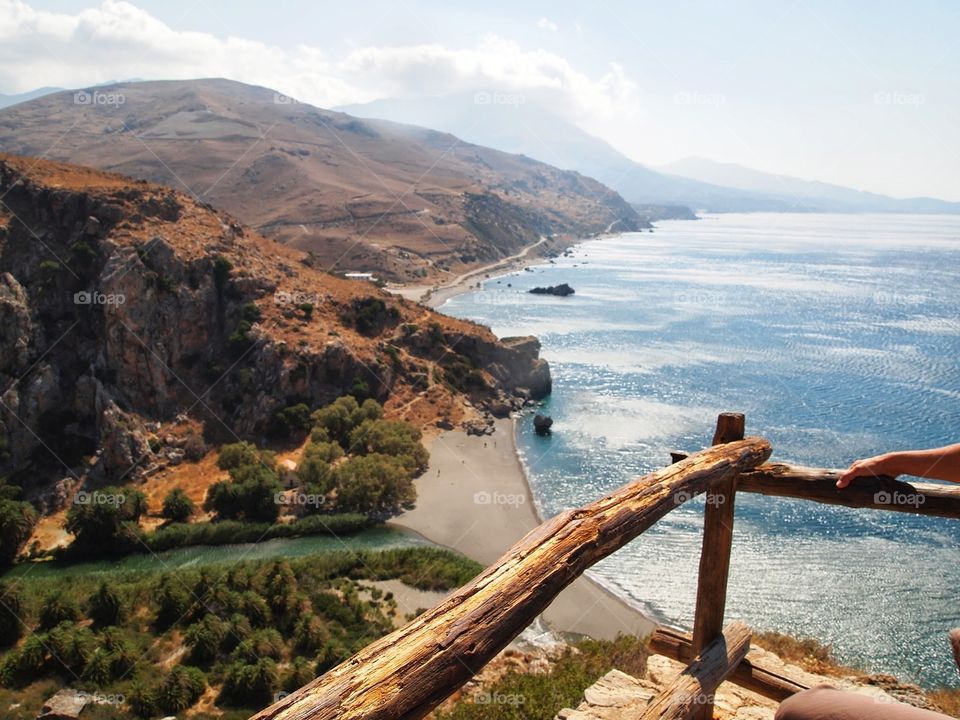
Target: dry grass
815, 657
807, 653
947, 699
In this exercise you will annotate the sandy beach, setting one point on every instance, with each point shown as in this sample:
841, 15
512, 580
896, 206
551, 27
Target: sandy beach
436, 295
474, 498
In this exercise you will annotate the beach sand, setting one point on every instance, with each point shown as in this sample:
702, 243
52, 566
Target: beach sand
436, 295
474, 498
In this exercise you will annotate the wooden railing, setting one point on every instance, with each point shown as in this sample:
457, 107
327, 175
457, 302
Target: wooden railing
409, 672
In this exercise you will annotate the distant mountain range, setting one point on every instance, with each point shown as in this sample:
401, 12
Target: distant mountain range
810, 194
512, 124
404, 202
8, 100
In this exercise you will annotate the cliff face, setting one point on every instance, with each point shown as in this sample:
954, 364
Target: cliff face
127, 307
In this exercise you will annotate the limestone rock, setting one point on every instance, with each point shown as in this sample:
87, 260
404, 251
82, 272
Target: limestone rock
65, 704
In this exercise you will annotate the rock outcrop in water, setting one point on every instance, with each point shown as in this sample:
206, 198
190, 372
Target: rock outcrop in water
562, 290
542, 424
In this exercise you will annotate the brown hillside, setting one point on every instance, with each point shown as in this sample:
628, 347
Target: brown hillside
402, 201
133, 317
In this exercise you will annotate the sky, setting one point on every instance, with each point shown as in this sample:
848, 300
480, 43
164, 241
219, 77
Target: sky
858, 93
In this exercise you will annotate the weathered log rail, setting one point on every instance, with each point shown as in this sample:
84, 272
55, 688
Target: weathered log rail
409, 672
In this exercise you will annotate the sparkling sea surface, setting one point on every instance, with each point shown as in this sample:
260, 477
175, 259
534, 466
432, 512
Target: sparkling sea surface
837, 335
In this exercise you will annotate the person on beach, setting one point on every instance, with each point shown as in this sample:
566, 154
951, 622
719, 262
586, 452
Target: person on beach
827, 703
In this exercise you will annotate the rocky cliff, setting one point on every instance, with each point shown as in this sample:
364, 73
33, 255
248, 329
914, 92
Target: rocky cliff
128, 308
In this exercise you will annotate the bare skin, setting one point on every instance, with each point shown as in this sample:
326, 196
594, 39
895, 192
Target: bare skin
937, 463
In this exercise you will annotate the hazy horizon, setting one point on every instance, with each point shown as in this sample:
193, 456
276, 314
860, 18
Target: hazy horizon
853, 95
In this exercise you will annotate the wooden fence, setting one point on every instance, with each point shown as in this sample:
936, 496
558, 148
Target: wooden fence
409, 672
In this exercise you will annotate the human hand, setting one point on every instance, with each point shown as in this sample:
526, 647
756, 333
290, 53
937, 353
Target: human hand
867, 467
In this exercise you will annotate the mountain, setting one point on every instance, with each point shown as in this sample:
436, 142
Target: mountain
815, 196
404, 202
131, 314
8, 100
511, 124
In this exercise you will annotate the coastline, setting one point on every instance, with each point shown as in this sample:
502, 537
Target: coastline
433, 296
475, 498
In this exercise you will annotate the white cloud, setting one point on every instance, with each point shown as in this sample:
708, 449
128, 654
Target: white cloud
117, 40
547, 24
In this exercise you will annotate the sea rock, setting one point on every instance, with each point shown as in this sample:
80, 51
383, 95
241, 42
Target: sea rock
561, 290
542, 424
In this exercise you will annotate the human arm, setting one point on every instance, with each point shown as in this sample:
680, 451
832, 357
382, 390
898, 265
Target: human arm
938, 463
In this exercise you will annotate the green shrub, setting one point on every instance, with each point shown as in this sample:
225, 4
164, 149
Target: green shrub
205, 639
105, 521
309, 634
57, 608
291, 421
376, 485
11, 610
372, 315
16, 524
392, 437
237, 454
172, 602
251, 685
177, 690
253, 486
177, 506
105, 606
299, 674
221, 271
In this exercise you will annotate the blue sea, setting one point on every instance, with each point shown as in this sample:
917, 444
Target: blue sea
837, 335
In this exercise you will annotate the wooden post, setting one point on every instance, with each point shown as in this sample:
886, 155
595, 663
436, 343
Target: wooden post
694, 687
751, 674
715, 553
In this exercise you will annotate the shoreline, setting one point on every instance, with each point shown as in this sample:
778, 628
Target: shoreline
433, 296
475, 498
